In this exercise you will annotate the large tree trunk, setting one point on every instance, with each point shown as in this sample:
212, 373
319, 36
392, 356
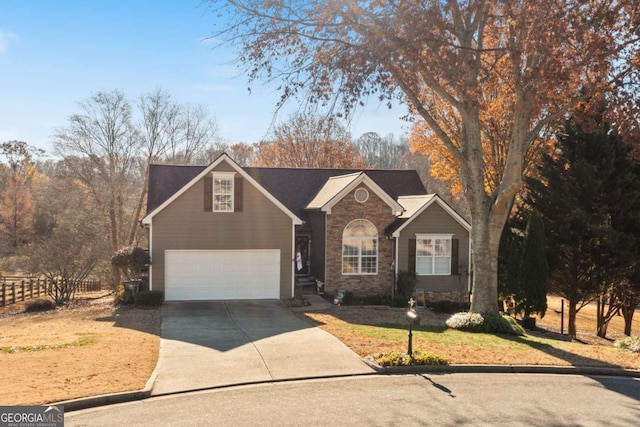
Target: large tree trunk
485, 267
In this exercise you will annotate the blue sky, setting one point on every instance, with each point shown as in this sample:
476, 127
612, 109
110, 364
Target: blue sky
56, 53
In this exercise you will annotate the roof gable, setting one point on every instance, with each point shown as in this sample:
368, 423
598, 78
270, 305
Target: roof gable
417, 205
336, 188
297, 187
187, 172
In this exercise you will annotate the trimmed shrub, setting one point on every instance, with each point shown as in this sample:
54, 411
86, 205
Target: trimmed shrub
485, 323
149, 298
40, 304
348, 298
442, 306
406, 282
295, 302
131, 261
393, 358
631, 344
529, 323
446, 306
375, 300
466, 321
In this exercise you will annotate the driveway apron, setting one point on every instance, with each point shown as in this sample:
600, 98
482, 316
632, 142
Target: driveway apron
219, 343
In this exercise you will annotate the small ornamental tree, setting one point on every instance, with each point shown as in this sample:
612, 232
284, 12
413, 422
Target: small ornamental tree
130, 261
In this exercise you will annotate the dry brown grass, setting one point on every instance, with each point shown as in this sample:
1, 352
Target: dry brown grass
585, 322
111, 349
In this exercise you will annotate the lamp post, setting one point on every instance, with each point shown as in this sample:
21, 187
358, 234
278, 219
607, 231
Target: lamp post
411, 316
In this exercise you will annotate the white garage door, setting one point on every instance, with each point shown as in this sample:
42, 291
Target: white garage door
222, 275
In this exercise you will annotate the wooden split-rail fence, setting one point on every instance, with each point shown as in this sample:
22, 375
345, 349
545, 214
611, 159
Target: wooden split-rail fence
16, 289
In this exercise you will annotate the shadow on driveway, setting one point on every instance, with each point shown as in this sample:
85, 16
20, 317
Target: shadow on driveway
219, 343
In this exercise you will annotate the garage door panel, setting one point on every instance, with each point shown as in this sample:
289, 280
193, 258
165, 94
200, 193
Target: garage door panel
208, 275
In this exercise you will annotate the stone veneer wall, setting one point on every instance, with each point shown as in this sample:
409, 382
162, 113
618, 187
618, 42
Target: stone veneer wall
342, 213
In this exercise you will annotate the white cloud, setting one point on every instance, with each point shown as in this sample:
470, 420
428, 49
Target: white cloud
5, 36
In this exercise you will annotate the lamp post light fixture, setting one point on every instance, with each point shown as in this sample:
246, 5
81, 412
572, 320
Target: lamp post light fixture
411, 316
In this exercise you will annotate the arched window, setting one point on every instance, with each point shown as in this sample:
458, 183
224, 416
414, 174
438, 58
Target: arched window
360, 248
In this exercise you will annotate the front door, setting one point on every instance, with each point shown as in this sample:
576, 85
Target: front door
303, 244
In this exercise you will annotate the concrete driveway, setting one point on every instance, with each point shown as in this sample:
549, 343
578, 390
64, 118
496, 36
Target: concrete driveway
218, 343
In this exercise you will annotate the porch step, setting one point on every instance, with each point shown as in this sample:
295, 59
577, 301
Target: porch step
307, 285
305, 281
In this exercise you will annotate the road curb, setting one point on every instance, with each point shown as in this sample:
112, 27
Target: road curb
111, 398
501, 369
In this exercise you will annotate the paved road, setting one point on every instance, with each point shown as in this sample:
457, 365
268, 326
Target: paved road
409, 400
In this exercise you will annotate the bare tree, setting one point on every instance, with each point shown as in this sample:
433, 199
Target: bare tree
307, 141
159, 122
382, 153
69, 245
100, 146
194, 133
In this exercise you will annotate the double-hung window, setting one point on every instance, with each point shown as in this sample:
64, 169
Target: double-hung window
360, 248
433, 254
223, 192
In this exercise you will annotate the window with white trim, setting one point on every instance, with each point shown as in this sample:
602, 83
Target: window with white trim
433, 254
223, 192
360, 248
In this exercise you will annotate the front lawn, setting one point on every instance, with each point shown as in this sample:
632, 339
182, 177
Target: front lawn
371, 330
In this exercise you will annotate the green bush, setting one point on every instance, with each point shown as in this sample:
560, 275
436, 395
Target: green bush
406, 282
393, 358
295, 302
486, 323
375, 300
446, 306
442, 306
529, 323
131, 261
631, 344
40, 304
149, 298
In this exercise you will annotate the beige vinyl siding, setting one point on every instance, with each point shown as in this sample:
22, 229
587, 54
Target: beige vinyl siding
184, 224
435, 220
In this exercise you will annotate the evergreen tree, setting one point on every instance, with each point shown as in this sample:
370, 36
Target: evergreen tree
531, 294
508, 265
589, 205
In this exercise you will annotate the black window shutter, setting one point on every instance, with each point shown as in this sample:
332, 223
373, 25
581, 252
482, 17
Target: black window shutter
237, 194
454, 256
411, 257
208, 193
